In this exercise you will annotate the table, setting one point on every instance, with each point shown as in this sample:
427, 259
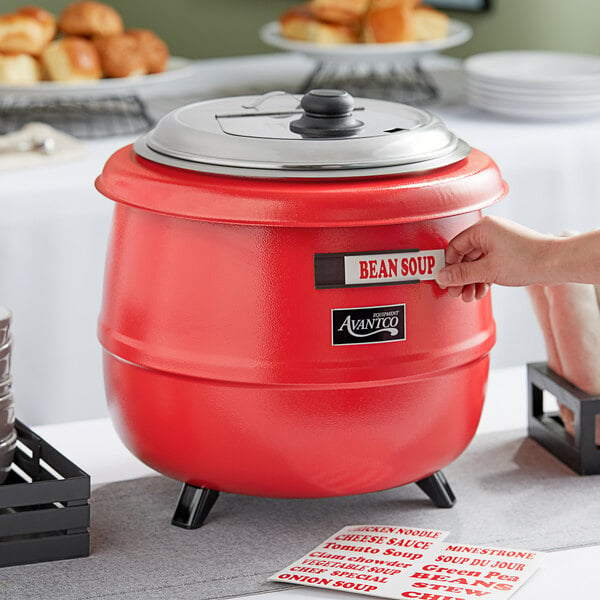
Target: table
94, 446
55, 225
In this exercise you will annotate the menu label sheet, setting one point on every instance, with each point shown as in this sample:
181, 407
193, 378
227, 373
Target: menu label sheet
406, 562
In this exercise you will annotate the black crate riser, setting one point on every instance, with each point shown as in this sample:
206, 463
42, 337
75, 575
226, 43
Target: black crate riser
44, 549
542, 433
41, 450
47, 518
579, 452
43, 492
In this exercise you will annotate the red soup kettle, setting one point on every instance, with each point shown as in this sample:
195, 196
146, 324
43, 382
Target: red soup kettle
270, 322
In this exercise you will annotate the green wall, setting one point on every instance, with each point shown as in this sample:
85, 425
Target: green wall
205, 28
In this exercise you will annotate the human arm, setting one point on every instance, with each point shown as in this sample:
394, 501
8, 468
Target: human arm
496, 250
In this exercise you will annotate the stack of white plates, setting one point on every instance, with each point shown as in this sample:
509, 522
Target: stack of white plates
534, 85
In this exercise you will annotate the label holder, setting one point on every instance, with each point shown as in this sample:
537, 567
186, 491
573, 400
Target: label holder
331, 270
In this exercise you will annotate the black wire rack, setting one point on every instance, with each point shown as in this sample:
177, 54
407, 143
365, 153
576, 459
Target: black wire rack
105, 116
95, 117
407, 83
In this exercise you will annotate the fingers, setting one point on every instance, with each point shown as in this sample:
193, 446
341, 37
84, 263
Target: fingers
464, 273
482, 290
455, 291
468, 271
469, 292
465, 245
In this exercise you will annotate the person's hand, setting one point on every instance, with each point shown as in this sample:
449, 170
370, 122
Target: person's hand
493, 250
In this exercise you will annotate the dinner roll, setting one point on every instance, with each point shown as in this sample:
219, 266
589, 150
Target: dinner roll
43, 17
120, 55
19, 69
389, 21
429, 24
26, 31
347, 12
71, 59
154, 50
299, 23
89, 19
379, 4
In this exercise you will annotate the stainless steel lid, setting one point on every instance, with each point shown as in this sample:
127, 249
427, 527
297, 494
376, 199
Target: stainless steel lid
325, 133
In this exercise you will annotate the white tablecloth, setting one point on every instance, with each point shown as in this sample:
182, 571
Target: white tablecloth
54, 226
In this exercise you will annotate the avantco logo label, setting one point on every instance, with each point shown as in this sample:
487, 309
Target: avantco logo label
368, 325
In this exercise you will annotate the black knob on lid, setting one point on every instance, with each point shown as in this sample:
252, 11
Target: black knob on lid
327, 113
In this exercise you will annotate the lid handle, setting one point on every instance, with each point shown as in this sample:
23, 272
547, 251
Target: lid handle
327, 114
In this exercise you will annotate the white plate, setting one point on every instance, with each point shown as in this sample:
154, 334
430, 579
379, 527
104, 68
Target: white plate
515, 95
535, 69
458, 33
559, 92
177, 68
533, 114
559, 107
533, 110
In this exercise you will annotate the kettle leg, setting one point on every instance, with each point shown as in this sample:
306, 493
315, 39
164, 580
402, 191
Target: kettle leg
193, 506
436, 486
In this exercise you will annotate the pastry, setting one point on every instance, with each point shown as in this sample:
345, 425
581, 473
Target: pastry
370, 21
380, 4
94, 45
346, 12
429, 24
154, 50
89, 19
71, 59
299, 23
19, 69
26, 31
120, 55
389, 21
44, 18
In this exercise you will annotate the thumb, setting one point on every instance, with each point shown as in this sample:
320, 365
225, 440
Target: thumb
464, 273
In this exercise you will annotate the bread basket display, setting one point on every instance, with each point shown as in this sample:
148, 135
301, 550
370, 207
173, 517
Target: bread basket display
86, 42
81, 71
270, 323
371, 48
